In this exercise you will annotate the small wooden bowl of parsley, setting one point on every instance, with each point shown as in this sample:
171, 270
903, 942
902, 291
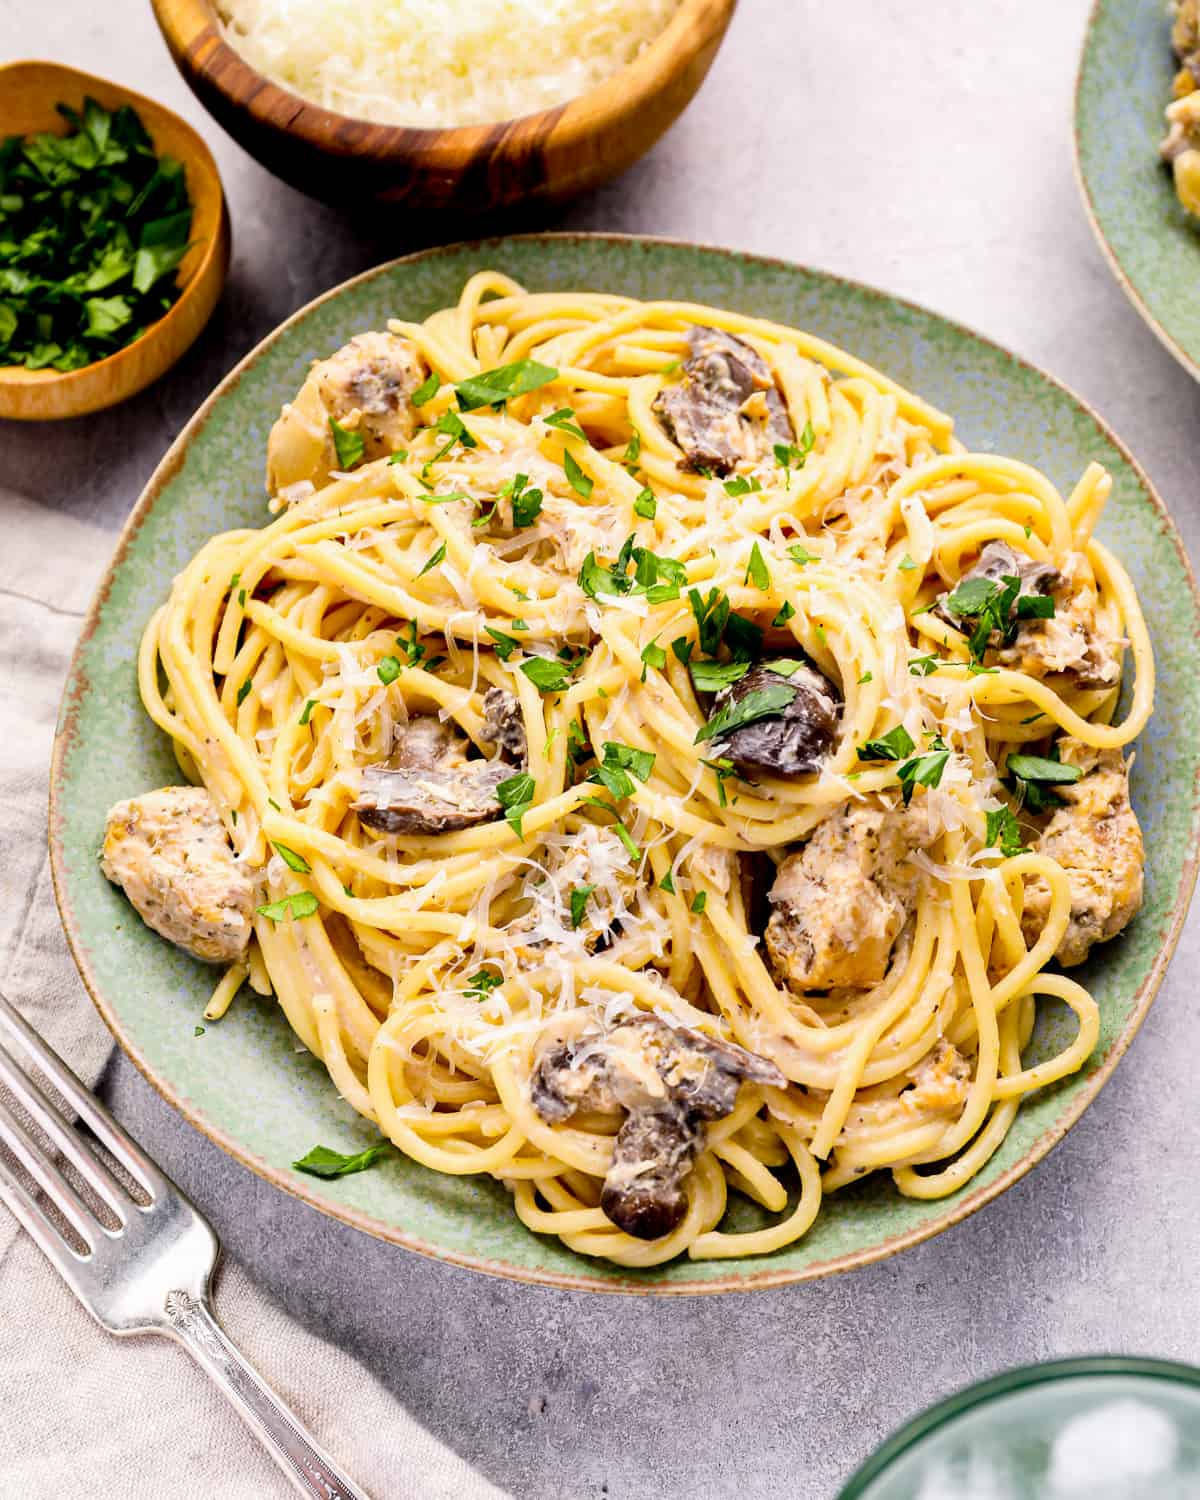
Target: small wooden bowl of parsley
114, 241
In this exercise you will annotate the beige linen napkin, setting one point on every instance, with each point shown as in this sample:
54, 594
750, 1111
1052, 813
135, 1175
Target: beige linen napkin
83, 1414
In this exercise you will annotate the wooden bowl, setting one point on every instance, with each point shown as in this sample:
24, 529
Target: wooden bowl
470, 168
29, 92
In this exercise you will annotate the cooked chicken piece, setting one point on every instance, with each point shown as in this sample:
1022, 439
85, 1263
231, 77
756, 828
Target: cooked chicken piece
1072, 641
170, 854
726, 408
842, 901
427, 784
791, 742
366, 387
669, 1080
503, 725
940, 1081
1097, 840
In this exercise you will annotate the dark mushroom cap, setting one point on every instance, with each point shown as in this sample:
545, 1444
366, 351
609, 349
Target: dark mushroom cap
702, 411
663, 1131
430, 801
793, 742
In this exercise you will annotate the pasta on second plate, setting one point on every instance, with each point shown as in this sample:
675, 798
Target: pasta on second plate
648, 756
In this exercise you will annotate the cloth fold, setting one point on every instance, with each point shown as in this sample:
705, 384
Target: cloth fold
83, 1413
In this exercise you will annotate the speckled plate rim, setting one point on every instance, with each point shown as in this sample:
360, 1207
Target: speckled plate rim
755, 1280
1122, 277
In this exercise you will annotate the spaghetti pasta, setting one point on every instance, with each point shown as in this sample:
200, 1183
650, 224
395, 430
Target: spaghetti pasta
836, 902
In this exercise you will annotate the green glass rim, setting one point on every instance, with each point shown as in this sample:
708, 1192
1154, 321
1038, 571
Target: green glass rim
928, 1421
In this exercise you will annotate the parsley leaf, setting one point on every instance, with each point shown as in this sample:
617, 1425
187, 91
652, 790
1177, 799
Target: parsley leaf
564, 420
578, 901
243, 692
1004, 832
760, 703
494, 387
786, 611
698, 901
922, 666
308, 708
293, 860
515, 796
348, 446
633, 451
299, 904
712, 676
322, 1162
740, 485
922, 770
800, 554
580, 482
906, 564
756, 570
505, 644
646, 505
480, 984
437, 557
546, 675
388, 670
654, 656
427, 390
894, 745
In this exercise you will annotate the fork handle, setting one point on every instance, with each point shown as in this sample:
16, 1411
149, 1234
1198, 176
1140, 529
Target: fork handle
190, 1319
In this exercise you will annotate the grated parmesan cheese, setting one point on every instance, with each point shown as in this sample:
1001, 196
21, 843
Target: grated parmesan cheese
405, 62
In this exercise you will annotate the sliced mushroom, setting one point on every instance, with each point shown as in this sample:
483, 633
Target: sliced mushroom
792, 742
169, 852
1097, 840
427, 784
998, 561
503, 725
1072, 641
726, 407
366, 387
669, 1080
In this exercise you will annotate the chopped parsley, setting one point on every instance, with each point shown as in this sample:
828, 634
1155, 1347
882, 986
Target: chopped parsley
789, 456
620, 765
293, 860
740, 485
906, 564
865, 678
427, 390
786, 611
991, 606
348, 446
800, 554
580, 482
480, 984
922, 770
1004, 832
894, 745
242, 598
633, 451
724, 770
296, 906
526, 503
408, 643
93, 224
578, 901
564, 420
505, 644
759, 703
244, 692
454, 429
659, 578
495, 387
654, 656
388, 670
618, 827
322, 1162
922, 666
547, 675
516, 798
756, 570
682, 648
646, 505
198, 1031
437, 557
712, 676
1034, 776
667, 883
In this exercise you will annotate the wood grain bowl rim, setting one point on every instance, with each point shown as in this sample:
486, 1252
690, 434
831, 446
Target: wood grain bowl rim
211, 241
67, 731
192, 31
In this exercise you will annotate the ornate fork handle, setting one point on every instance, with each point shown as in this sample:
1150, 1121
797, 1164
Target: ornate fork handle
313, 1473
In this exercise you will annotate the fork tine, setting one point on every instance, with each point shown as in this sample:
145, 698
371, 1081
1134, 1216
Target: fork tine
52, 1183
85, 1104
47, 1118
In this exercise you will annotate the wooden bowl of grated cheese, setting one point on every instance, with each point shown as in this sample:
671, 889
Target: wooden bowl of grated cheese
412, 87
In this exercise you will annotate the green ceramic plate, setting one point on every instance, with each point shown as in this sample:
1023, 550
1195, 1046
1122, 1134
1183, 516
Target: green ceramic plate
245, 1083
1152, 245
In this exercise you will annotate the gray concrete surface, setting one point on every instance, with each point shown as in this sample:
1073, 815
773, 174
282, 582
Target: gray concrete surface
922, 145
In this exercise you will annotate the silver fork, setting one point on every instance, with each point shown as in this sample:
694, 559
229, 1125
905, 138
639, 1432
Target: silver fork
152, 1273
